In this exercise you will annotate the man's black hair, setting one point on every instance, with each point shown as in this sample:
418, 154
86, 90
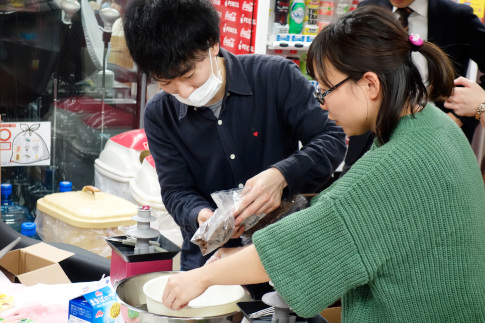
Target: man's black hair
167, 37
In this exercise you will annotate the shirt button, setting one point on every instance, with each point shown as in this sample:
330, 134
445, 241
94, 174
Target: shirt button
241, 185
228, 94
195, 108
219, 122
232, 156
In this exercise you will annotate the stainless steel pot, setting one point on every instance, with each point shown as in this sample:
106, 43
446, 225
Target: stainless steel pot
134, 309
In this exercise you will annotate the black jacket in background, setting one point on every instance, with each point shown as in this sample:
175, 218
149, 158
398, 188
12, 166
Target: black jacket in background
460, 34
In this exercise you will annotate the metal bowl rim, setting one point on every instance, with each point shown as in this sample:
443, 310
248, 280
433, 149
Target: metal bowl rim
172, 317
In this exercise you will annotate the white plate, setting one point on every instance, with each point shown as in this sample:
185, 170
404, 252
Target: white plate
216, 300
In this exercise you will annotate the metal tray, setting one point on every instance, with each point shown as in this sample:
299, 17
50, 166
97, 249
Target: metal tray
128, 255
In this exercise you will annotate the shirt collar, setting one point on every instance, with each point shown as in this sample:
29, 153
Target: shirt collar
419, 6
236, 81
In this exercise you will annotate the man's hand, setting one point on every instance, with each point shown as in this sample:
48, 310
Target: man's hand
204, 215
465, 100
263, 194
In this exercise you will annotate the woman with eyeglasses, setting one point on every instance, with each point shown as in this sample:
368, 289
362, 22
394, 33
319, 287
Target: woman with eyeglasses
399, 238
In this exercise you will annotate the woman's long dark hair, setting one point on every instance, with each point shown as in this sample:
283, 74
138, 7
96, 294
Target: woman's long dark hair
370, 39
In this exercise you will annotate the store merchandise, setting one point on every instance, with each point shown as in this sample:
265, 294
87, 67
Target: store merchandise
310, 26
119, 162
303, 57
65, 186
12, 214
354, 4
342, 7
294, 57
84, 218
29, 229
325, 13
280, 25
98, 304
279, 52
297, 14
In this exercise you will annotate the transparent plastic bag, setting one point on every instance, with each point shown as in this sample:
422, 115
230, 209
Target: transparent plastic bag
219, 228
288, 206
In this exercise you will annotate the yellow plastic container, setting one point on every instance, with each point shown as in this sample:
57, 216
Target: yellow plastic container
84, 218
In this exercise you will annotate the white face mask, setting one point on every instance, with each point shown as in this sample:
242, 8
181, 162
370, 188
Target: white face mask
200, 96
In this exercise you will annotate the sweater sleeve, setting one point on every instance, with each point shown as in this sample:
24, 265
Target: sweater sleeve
324, 268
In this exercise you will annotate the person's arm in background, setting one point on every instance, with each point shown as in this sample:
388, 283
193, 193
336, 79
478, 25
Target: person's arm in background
466, 100
472, 35
307, 169
180, 195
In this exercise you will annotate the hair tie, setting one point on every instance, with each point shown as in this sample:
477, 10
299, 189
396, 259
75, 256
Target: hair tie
417, 42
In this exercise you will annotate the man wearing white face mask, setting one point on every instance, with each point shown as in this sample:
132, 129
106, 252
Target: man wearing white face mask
224, 121
206, 92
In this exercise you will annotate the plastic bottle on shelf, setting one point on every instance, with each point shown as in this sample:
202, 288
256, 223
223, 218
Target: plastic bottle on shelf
297, 14
342, 7
279, 52
280, 25
354, 4
303, 65
294, 57
65, 186
325, 13
29, 229
12, 214
311, 17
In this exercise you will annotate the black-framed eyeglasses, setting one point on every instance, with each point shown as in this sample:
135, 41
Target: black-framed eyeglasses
320, 96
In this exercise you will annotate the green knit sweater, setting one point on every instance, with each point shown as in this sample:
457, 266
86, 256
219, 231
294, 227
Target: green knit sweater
400, 237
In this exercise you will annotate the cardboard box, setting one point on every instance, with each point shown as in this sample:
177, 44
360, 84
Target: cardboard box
100, 304
38, 263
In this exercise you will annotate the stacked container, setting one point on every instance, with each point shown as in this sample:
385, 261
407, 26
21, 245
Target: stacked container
119, 162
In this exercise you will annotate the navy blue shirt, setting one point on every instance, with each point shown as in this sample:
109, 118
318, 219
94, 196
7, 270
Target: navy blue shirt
267, 109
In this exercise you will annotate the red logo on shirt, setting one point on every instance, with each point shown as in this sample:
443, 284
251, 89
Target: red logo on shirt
255, 133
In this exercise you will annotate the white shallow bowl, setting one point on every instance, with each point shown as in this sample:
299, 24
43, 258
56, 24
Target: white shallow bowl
215, 301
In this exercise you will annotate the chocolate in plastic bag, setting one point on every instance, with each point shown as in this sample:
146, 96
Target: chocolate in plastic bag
288, 206
219, 228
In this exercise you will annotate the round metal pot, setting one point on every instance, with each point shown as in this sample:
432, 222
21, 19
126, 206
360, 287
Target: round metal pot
134, 308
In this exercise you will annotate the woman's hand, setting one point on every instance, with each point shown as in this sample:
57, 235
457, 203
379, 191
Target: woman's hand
182, 288
241, 268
